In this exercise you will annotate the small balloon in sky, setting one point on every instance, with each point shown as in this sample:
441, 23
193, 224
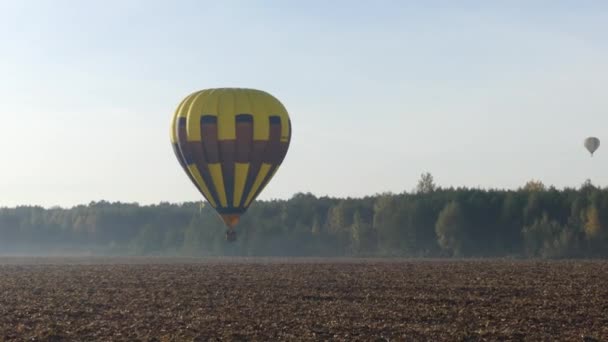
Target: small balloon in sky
592, 144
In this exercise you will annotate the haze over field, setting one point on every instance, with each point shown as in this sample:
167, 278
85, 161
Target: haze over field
478, 93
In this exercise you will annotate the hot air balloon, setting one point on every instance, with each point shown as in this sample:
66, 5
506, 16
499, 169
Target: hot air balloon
230, 142
592, 144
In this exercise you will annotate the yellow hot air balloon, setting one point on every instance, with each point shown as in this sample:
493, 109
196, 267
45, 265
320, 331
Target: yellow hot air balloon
230, 142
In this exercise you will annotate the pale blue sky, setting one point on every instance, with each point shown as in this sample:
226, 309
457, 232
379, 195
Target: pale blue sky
485, 93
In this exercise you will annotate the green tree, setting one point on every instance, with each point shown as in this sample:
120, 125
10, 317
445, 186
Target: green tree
451, 229
593, 226
426, 184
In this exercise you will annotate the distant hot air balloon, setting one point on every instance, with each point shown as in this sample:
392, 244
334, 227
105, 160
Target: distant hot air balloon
592, 144
230, 142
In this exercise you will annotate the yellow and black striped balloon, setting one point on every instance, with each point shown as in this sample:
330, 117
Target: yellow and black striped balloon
230, 142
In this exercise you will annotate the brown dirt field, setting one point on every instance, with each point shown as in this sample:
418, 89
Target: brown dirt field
155, 299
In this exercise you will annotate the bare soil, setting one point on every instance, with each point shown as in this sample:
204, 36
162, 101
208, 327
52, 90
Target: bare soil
156, 299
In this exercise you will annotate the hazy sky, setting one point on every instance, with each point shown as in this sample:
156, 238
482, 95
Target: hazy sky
483, 93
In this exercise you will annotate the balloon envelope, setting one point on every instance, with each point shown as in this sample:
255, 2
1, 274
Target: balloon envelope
592, 144
230, 142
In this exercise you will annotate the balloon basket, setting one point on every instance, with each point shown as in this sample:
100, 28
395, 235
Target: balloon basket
230, 235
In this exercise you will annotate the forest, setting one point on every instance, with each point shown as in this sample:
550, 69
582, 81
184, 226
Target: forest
532, 221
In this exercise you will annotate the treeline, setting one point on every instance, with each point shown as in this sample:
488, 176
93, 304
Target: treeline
533, 221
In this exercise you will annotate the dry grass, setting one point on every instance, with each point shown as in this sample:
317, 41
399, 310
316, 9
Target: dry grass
311, 299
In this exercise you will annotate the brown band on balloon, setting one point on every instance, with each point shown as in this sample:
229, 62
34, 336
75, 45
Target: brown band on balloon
182, 140
272, 154
255, 163
227, 148
209, 138
244, 137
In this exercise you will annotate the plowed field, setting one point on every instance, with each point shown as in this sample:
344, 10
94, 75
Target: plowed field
149, 299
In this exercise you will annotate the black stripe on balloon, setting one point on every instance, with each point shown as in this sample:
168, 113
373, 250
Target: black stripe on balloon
196, 156
227, 148
255, 163
179, 156
193, 154
264, 182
